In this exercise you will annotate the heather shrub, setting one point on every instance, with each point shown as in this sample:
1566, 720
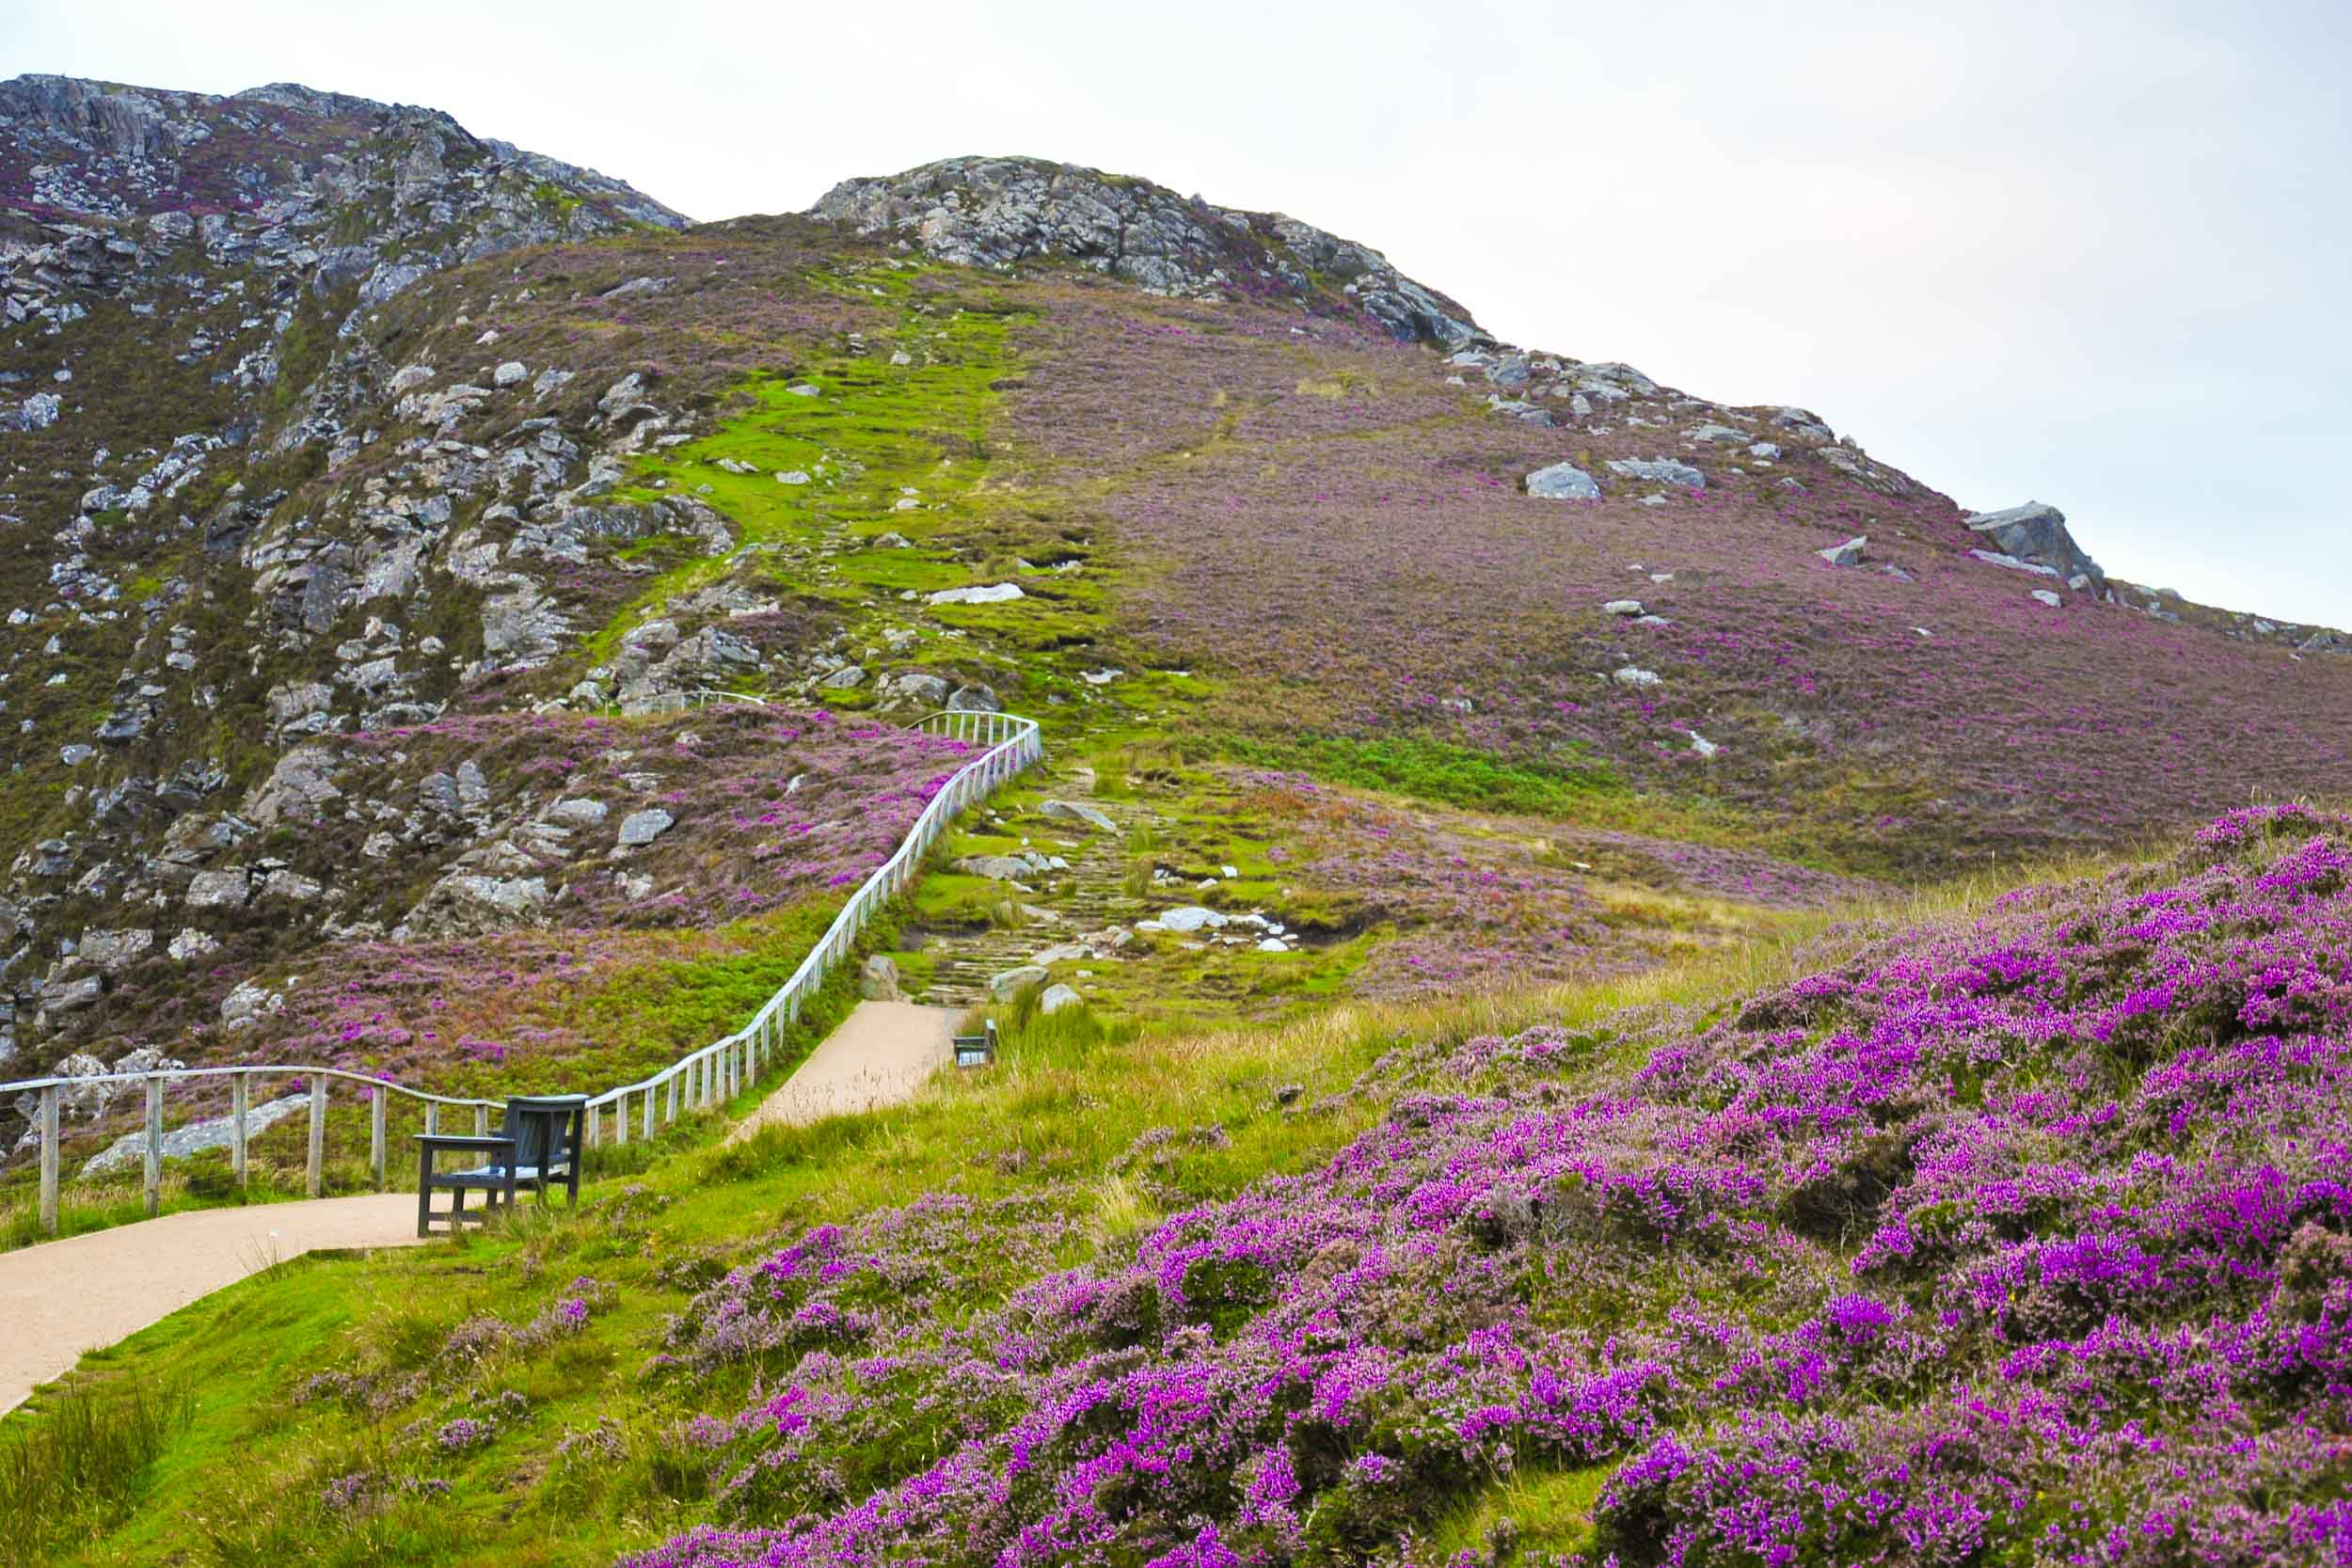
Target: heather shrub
2020, 1237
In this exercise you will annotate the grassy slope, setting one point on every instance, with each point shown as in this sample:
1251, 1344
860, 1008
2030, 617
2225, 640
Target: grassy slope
1053, 1125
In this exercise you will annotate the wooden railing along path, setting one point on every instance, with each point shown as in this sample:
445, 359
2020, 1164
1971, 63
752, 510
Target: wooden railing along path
696, 1081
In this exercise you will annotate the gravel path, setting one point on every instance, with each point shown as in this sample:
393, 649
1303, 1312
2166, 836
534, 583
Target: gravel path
62, 1298
881, 1054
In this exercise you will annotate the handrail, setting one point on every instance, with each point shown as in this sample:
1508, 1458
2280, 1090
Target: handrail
272, 1070
706, 1076
717, 1069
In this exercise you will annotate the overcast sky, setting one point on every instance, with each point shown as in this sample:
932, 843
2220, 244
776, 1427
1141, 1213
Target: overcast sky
2086, 252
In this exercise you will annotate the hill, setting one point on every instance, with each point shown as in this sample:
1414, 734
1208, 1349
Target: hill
381, 499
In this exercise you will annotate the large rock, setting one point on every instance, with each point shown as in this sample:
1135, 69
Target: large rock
2035, 533
1847, 554
994, 593
76, 1101
975, 698
1057, 997
1007, 984
464, 904
643, 827
196, 1137
111, 952
578, 811
1072, 810
918, 686
877, 981
220, 889
1661, 470
1563, 481
298, 789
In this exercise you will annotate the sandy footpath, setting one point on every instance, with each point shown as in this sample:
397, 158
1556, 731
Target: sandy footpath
62, 1298
881, 1054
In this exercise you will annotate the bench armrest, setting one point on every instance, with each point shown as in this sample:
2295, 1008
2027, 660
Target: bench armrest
454, 1140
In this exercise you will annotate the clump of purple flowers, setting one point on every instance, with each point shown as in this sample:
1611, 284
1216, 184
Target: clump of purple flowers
2024, 1238
464, 1434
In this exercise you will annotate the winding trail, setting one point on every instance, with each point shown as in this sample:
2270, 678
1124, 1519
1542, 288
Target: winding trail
881, 1054
62, 1298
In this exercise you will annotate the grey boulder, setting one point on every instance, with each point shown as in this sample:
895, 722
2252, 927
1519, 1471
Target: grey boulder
1563, 481
643, 827
1662, 471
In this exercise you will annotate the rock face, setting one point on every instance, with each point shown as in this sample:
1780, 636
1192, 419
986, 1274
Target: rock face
467, 905
994, 212
261, 175
196, 1137
2035, 533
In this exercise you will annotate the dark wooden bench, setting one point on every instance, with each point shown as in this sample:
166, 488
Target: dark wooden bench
537, 1147
977, 1050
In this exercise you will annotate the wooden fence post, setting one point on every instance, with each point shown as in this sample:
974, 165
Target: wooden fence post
482, 1121
49, 1159
375, 1133
240, 1102
154, 1146
432, 1118
649, 1094
314, 1171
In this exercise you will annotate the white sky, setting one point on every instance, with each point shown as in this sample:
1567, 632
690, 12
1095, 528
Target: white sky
2091, 252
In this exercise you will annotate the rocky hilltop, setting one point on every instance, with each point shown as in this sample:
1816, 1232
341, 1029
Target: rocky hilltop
318, 186
994, 212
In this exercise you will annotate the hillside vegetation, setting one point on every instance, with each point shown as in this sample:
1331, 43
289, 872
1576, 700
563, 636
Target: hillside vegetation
2010, 1230
1590, 975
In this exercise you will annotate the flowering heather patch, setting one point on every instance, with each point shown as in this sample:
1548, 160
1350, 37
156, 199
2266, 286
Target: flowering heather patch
770, 805
776, 814
1344, 537
1513, 904
2026, 1238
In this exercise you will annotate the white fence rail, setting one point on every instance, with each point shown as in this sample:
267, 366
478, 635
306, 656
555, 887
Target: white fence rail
709, 1076
716, 1071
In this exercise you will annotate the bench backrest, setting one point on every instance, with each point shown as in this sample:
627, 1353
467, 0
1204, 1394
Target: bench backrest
546, 1130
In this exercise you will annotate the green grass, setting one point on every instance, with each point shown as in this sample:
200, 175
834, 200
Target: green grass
81, 1464
1530, 1511
244, 1481
1436, 771
873, 431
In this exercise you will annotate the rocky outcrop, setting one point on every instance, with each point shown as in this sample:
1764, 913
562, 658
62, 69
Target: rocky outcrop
994, 212
262, 176
2036, 534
